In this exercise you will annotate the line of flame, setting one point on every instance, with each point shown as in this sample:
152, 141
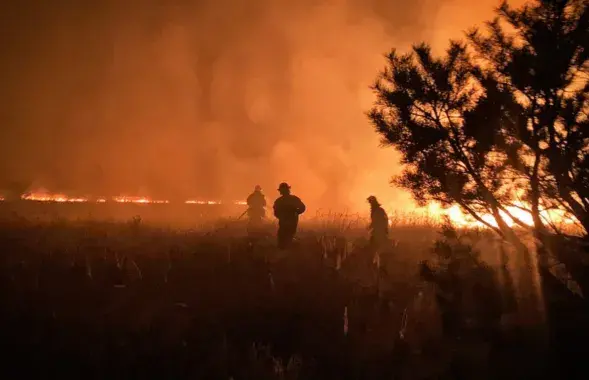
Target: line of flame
462, 220
62, 198
432, 211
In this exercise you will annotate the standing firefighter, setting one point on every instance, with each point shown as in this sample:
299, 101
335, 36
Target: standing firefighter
256, 203
379, 224
256, 211
287, 209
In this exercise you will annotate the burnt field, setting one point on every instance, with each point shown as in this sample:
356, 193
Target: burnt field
108, 296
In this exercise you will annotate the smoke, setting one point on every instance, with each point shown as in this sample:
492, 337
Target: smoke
184, 99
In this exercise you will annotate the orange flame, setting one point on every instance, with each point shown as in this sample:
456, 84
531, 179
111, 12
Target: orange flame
140, 200
198, 202
44, 196
47, 197
434, 211
461, 219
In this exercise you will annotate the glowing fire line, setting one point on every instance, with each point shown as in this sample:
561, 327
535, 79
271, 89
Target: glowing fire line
62, 198
433, 211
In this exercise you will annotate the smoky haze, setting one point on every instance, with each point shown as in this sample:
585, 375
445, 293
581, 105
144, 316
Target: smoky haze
185, 99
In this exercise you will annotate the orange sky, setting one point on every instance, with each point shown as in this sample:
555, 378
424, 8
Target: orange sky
109, 98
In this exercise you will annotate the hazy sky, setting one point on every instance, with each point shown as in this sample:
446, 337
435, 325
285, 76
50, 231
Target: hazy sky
206, 98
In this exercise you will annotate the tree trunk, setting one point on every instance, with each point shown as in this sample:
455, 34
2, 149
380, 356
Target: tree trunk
535, 195
572, 254
580, 212
565, 190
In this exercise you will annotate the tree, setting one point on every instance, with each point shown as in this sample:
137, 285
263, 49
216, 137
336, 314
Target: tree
436, 113
544, 62
499, 121
504, 127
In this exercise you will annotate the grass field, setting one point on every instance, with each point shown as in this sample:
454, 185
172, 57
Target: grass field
96, 298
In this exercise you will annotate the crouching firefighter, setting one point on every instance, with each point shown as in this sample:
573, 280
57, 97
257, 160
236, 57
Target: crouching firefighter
287, 209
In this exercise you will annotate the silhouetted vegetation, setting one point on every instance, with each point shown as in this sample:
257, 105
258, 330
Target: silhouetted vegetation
499, 121
103, 300
544, 65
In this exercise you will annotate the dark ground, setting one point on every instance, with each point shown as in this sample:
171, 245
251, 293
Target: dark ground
114, 300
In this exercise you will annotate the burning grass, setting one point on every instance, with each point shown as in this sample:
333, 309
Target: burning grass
131, 299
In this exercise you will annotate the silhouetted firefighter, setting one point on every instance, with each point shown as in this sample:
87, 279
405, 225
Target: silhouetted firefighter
256, 211
287, 209
379, 224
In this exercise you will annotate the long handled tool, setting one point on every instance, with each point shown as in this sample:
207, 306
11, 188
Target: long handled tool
245, 212
241, 216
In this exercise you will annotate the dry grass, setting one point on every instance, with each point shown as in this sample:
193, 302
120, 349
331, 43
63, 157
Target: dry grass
131, 299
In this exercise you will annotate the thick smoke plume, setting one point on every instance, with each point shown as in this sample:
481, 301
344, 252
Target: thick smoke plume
184, 99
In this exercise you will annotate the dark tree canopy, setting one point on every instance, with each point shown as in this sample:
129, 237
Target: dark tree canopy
545, 64
498, 121
434, 111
